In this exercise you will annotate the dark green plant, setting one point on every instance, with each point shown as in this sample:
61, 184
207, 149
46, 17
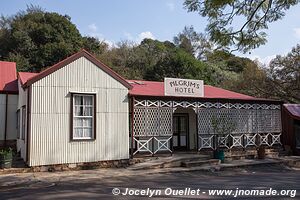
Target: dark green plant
35, 39
5, 152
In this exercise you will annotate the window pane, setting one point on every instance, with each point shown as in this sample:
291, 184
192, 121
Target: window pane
78, 111
78, 122
78, 133
87, 132
88, 100
78, 100
88, 111
87, 122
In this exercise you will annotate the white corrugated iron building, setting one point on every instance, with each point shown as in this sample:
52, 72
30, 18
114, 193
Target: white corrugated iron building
75, 111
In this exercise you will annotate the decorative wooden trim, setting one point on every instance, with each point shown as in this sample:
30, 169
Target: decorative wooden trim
95, 117
194, 99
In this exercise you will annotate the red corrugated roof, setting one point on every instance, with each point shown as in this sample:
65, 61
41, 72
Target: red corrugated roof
153, 88
8, 77
294, 110
156, 89
25, 76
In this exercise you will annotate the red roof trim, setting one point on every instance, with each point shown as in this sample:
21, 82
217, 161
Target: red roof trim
70, 59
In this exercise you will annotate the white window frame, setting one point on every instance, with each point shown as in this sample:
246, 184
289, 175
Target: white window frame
74, 116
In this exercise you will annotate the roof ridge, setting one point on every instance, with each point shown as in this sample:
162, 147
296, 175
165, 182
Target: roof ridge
70, 59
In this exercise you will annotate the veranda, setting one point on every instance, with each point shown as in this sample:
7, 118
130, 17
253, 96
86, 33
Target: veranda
167, 125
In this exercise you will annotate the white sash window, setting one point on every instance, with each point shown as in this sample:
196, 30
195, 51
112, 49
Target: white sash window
83, 116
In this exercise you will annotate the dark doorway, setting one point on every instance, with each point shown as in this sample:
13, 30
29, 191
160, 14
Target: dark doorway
180, 131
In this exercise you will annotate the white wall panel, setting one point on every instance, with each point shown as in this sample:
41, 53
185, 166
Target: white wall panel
12, 106
12, 102
2, 115
50, 116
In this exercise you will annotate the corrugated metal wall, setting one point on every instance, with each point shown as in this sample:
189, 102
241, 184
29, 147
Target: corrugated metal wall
50, 116
12, 103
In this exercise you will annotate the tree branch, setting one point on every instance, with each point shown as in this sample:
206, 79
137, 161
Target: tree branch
249, 20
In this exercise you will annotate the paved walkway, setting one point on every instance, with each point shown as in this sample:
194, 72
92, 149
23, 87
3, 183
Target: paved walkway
98, 184
14, 180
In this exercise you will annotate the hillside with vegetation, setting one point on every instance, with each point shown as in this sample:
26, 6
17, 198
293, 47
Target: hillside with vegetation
36, 39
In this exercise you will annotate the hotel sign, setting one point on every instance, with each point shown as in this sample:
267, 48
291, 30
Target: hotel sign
184, 87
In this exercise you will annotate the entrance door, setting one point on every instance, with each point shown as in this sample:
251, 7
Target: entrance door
180, 131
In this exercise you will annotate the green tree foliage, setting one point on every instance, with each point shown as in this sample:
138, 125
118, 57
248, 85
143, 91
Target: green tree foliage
154, 60
35, 39
225, 17
124, 59
93, 45
284, 76
230, 62
193, 43
250, 81
280, 80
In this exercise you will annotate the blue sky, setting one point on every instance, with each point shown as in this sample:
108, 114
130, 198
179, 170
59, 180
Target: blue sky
116, 20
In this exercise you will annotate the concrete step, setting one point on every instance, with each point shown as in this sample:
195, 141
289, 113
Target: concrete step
170, 162
198, 163
273, 150
272, 154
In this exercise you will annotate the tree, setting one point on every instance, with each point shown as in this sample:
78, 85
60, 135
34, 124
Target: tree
284, 76
224, 16
36, 39
230, 62
251, 81
154, 60
193, 43
122, 58
94, 45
